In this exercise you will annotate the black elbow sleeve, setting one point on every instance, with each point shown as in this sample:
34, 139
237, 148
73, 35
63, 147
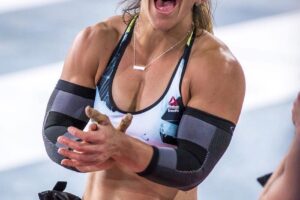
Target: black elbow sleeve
66, 107
202, 140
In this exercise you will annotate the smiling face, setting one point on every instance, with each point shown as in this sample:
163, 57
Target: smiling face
167, 14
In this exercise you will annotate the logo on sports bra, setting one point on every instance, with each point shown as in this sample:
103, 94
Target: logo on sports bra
173, 105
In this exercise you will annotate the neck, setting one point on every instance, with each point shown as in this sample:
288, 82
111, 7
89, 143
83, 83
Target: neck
153, 41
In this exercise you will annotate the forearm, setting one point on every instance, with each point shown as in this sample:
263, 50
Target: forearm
200, 145
133, 154
65, 108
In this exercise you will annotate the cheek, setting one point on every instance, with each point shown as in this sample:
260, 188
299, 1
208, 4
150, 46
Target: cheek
144, 5
188, 6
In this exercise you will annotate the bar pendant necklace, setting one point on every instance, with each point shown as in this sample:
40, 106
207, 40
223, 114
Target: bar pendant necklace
144, 68
141, 68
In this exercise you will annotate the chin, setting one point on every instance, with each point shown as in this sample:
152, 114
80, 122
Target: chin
163, 25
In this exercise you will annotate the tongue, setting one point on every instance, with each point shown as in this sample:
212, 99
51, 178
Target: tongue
165, 6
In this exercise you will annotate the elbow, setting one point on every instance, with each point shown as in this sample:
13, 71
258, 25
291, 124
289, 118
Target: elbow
52, 153
191, 181
181, 180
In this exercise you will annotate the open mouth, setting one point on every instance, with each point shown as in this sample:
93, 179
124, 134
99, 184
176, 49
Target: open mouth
165, 6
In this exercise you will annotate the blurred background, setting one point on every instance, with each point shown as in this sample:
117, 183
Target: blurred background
35, 36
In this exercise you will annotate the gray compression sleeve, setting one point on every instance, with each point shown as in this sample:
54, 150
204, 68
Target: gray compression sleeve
202, 139
66, 107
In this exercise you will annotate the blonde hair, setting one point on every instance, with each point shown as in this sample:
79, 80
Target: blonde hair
202, 16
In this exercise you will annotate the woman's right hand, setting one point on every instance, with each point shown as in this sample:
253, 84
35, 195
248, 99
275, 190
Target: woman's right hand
100, 118
109, 163
296, 113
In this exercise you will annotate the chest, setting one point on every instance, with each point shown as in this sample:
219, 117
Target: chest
156, 125
156, 121
133, 90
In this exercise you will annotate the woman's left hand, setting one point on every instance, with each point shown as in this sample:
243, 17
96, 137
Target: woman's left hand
94, 152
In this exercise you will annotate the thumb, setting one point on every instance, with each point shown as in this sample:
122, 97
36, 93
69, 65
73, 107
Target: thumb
93, 127
125, 123
96, 116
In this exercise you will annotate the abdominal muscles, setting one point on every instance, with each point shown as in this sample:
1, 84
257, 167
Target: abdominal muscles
119, 184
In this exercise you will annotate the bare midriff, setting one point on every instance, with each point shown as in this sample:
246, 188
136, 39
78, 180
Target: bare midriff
119, 184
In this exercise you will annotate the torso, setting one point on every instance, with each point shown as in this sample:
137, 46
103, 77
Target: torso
134, 91
149, 102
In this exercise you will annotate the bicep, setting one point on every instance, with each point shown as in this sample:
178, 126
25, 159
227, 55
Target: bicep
219, 92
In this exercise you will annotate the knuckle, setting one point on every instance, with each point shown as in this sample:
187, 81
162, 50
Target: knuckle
104, 157
76, 156
79, 147
88, 137
65, 152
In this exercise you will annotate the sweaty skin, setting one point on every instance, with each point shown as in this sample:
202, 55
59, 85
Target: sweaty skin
213, 82
285, 182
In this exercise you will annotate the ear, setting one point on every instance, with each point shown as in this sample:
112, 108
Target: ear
199, 2
202, 1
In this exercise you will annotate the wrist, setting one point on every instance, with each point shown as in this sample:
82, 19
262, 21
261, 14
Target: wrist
152, 164
119, 141
133, 154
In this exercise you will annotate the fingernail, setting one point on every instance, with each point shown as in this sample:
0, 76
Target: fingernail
71, 130
60, 139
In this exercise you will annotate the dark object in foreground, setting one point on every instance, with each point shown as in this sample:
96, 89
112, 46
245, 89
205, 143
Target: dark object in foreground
58, 193
264, 179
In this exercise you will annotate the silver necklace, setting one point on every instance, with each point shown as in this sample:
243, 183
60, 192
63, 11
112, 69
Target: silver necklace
146, 67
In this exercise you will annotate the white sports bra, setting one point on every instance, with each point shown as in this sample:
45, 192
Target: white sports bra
156, 124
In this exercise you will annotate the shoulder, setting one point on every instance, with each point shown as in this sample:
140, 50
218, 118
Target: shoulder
216, 78
108, 31
91, 48
100, 34
212, 57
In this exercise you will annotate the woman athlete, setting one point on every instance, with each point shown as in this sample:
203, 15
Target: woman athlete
285, 182
184, 88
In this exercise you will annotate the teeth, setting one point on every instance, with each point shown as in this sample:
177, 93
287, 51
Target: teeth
162, 3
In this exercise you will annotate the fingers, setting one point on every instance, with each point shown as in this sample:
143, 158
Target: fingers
76, 163
125, 123
82, 157
96, 116
104, 120
90, 137
76, 159
79, 146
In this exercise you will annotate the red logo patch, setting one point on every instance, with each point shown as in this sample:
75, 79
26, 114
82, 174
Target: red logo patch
173, 105
173, 102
